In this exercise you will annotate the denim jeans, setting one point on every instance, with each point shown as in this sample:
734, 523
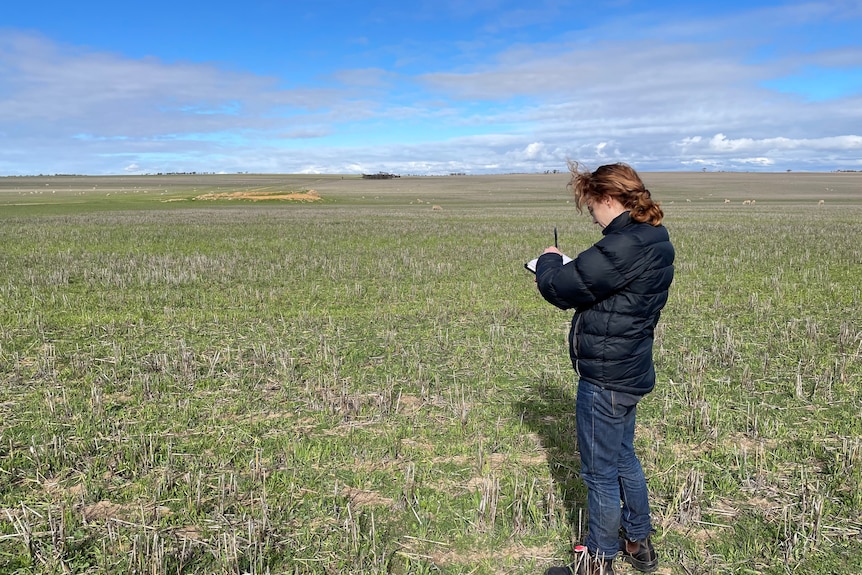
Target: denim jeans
610, 468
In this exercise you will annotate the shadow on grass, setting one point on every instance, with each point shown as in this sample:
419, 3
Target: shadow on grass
549, 411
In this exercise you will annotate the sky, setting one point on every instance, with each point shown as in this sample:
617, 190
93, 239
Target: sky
429, 87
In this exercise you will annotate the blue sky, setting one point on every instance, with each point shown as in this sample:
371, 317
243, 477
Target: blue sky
429, 87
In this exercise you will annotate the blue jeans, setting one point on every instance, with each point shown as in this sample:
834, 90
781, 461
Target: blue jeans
610, 468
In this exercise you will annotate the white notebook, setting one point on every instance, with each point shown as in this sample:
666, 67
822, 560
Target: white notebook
531, 265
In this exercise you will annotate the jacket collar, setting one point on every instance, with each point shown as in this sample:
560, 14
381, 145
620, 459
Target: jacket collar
618, 223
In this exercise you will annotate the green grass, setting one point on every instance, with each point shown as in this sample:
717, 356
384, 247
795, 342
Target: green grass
368, 385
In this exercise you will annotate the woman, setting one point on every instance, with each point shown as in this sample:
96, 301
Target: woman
617, 288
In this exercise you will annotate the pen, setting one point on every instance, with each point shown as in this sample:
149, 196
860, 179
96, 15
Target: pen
556, 245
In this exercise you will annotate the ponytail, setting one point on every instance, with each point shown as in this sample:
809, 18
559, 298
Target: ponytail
645, 210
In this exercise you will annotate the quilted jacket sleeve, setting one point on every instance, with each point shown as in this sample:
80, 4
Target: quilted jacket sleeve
591, 277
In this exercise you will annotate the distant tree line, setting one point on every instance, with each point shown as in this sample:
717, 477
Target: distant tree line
379, 176
185, 173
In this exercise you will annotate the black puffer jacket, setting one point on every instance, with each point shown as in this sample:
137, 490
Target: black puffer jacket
618, 288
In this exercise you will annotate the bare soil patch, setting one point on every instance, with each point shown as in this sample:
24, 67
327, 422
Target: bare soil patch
363, 498
255, 196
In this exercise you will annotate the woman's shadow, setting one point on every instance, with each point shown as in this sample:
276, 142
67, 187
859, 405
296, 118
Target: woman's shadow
549, 411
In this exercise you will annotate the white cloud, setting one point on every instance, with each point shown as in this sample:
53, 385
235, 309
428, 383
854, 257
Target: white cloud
534, 150
721, 143
762, 162
46, 82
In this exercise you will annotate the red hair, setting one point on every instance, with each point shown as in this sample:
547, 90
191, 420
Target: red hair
619, 181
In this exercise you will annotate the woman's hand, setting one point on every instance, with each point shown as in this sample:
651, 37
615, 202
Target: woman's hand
552, 250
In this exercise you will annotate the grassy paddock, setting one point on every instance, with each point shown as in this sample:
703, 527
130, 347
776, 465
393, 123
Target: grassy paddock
370, 383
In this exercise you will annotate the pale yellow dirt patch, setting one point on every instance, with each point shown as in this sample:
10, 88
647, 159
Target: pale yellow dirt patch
363, 498
189, 532
106, 510
100, 511
309, 196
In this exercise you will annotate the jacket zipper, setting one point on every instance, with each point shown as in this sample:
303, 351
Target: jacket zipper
573, 342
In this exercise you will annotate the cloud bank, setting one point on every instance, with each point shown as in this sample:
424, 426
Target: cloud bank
685, 95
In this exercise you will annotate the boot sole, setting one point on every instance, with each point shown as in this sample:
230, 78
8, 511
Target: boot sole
640, 565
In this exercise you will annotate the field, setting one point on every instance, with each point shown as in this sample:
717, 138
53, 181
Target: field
367, 381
